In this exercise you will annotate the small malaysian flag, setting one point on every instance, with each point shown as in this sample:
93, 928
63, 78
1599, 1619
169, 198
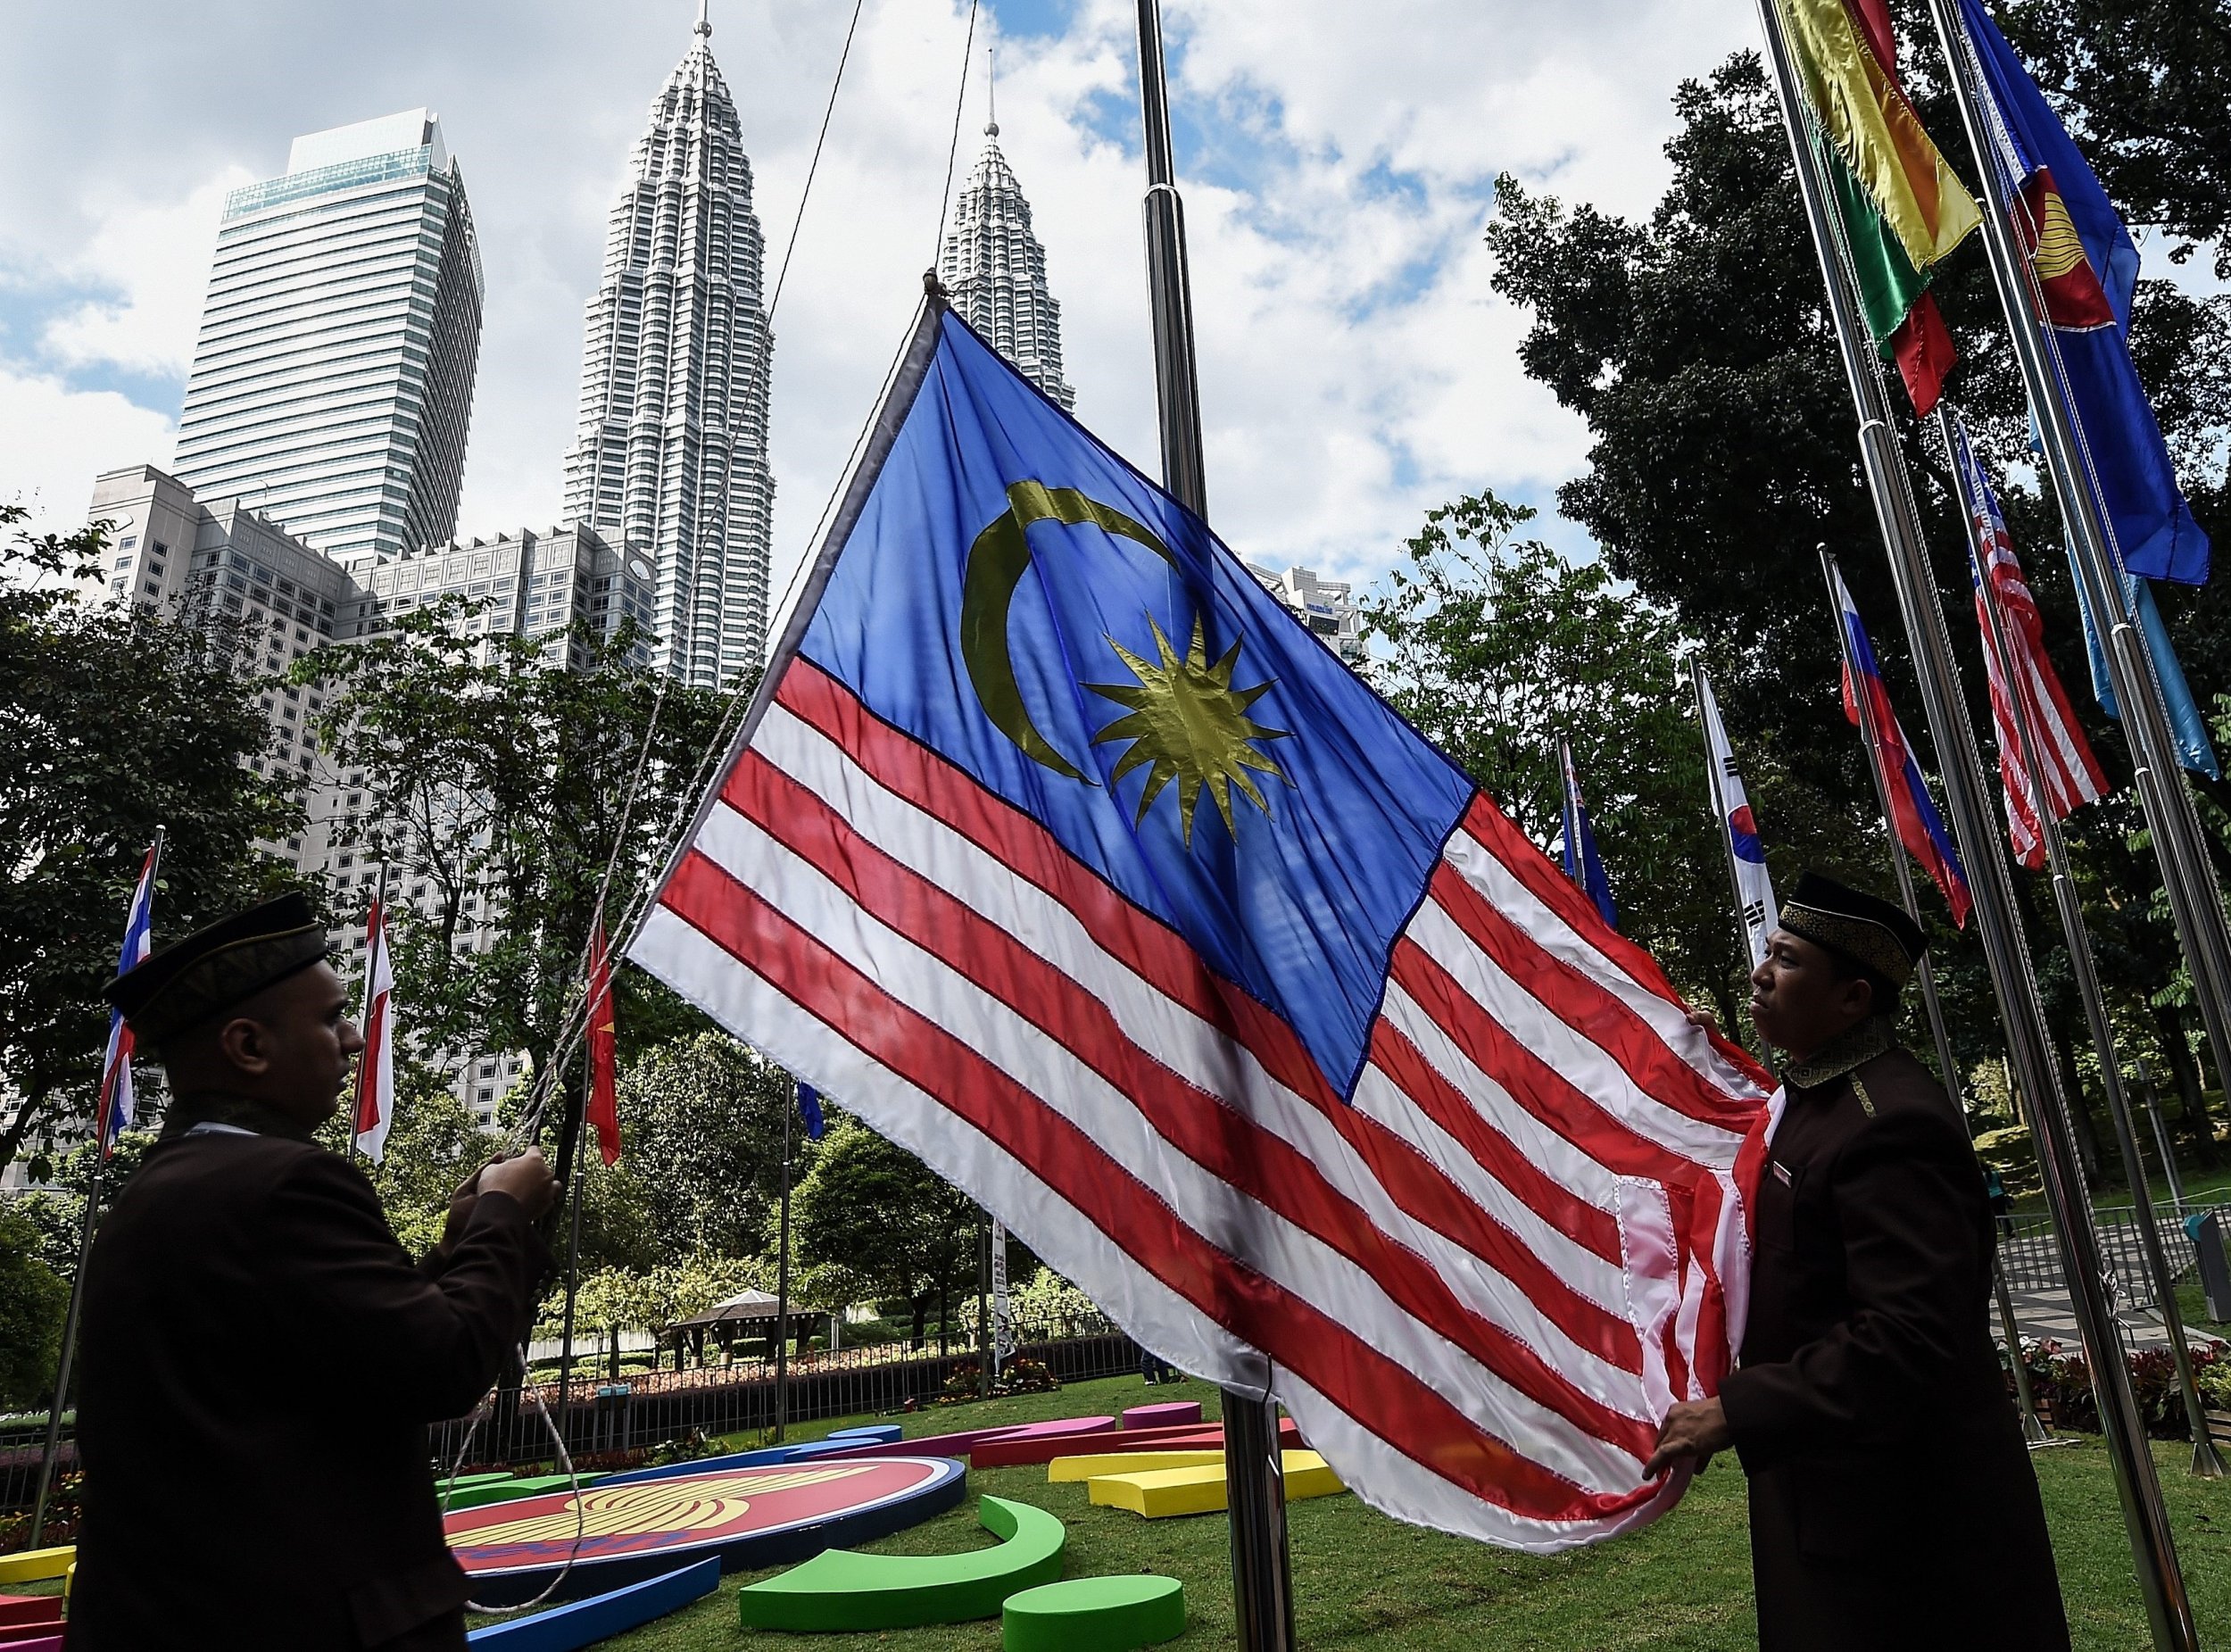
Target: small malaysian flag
2071, 775
118, 1100
1076, 865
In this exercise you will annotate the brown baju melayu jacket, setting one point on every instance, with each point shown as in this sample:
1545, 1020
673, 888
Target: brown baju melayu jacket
261, 1360
1892, 1500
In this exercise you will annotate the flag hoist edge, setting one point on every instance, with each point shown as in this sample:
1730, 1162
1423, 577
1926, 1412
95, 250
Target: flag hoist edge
1057, 851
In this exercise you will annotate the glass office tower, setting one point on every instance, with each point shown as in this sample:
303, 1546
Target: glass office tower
333, 378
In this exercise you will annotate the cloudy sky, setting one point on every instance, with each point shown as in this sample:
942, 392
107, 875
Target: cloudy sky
1337, 163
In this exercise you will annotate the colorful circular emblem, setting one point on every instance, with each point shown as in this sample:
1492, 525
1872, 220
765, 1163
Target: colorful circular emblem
753, 1516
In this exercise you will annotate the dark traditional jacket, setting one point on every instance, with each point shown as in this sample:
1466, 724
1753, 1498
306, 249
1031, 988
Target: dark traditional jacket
1891, 1500
261, 1360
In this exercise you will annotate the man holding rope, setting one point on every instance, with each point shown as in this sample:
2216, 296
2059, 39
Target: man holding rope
261, 1356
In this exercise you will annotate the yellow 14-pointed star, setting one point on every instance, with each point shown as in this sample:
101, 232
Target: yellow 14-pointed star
1187, 723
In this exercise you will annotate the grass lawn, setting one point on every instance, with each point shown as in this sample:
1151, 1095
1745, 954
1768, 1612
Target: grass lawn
1362, 1580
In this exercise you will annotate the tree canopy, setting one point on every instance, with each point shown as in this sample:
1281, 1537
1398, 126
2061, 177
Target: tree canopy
1696, 345
114, 720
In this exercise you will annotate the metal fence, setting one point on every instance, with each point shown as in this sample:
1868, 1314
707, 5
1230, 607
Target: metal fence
2031, 1253
604, 1418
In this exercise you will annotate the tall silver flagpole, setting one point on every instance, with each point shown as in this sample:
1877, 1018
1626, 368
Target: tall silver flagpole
1261, 1577
2033, 1426
2206, 1462
2005, 951
2196, 902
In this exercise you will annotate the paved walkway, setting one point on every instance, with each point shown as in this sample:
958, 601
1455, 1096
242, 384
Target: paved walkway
2050, 1313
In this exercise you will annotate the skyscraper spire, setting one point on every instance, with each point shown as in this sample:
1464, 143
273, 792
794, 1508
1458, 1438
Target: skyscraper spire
991, 88
995, 270
671, 458
704, 20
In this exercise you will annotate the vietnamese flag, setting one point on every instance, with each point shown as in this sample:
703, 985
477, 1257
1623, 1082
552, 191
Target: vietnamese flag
603, 1105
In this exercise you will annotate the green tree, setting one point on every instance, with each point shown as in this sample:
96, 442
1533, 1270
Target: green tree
700, 1168
1494, 647
114, 718
501, 779
32, 1300
870, 1207
1697, 346
2145, 86
433, 1143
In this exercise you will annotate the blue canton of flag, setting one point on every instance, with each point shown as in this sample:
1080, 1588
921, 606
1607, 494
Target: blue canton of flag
809, 1109
1083, 870
117, 1104
2085, 269
1582, 864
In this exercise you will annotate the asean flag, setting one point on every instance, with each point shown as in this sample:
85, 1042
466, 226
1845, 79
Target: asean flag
1080, 867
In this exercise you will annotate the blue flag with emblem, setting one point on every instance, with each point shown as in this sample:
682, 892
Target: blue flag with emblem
1582, 864
1083, 870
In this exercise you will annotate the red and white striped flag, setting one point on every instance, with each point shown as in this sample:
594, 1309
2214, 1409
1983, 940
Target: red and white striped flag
2072, 775
376, 1066
1057, 851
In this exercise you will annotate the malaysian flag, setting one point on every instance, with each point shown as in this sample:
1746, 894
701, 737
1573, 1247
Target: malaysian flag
1077, 867
118, 1101
2072, 775
375, 1066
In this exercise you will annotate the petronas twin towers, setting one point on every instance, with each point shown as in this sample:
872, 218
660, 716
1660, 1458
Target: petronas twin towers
671, 458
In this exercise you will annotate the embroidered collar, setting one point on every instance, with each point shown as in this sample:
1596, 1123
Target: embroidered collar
1848, 1049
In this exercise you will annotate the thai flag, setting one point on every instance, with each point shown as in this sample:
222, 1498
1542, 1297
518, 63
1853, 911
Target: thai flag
117, 1099
1913, 814
376, 1066
2072, 776
1078, 868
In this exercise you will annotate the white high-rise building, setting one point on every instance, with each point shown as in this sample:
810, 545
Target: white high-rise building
995, 270
333, 378
671, 458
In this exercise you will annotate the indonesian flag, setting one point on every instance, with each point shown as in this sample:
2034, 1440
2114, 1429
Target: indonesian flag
376, 1067
2071, 775
115, 1115
603, 1105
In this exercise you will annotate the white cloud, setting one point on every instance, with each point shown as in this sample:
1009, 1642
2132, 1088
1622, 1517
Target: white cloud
58, 439
1356, 369
148, 262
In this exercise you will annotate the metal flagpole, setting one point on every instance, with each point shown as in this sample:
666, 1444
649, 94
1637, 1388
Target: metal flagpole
2168, 1608
1713, 778
84, 1255
1262, 1578
2033, 1426
2161, 1143
2206, 1462
781, 1286
2196, 902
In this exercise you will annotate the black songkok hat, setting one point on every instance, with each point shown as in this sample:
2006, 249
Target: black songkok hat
215, 969
1869, 931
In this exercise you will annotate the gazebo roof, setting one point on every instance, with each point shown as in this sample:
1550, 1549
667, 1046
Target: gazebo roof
745, 1304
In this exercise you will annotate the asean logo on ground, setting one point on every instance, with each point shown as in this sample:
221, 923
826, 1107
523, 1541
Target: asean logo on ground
749, 1516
